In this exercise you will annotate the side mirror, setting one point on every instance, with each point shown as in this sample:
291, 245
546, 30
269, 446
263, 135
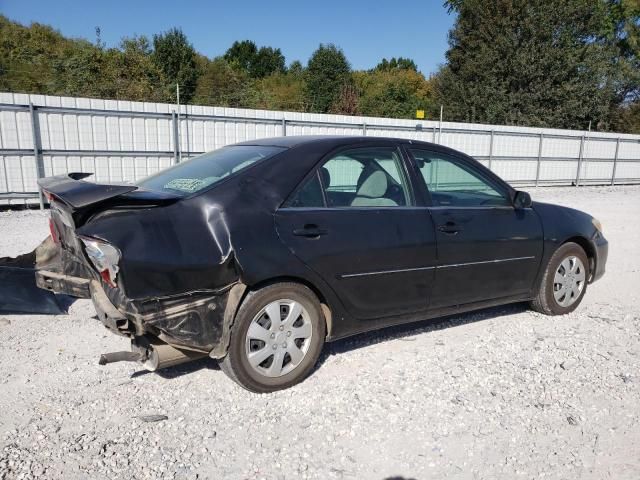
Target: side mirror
522, 200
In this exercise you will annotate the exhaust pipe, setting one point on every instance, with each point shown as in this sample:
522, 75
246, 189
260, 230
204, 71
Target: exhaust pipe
152, 353
113, 357
156, 354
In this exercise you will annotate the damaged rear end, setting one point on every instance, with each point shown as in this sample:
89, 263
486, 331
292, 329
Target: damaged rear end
159, 269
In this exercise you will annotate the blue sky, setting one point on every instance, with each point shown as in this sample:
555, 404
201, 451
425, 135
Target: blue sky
365, 30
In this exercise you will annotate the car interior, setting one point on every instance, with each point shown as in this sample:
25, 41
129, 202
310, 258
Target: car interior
374, 188
374, 178
452, 184
355, 179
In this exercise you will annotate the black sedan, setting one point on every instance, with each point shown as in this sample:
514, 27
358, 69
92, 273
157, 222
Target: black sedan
256, 254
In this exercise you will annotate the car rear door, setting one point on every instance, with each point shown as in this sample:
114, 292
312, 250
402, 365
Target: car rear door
487, 249
354, 221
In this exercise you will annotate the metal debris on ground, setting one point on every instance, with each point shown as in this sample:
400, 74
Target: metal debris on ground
152, 418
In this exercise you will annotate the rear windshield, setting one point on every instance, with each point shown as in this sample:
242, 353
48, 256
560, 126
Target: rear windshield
198, 173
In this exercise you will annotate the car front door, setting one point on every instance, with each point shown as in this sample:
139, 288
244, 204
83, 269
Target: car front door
487, 249
354, 221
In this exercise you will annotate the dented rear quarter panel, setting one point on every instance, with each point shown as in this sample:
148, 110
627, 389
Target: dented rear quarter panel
167, 250
212, 240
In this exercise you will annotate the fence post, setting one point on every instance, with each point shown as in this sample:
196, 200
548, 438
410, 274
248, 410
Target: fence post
433, 140
539, 158
490, 150
364, 129
37, 149
579, 161
615, 162
284, 127
440, 125
187, 137
174, 127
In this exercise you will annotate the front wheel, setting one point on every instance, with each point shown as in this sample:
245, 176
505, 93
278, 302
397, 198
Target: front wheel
276, 338
564, 281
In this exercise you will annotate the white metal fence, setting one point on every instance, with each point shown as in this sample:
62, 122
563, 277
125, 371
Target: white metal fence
122, 141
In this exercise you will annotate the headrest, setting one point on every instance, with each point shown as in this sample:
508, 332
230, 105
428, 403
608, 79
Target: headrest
374, 186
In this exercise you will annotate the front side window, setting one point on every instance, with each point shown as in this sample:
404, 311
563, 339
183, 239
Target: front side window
198, 173
360, 177
451, 183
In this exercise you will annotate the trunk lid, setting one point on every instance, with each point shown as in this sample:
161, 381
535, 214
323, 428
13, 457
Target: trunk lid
78, 194
74, 202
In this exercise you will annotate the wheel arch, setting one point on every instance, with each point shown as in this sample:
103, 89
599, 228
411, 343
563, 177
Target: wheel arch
588, 248
325, 305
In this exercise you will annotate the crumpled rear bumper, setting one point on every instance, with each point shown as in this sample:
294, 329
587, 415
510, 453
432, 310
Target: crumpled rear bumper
109, 315
19, 293
194, 320
59, 283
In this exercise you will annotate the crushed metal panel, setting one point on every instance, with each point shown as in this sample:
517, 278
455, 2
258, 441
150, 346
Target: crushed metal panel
233, 302
20, 294
191, 321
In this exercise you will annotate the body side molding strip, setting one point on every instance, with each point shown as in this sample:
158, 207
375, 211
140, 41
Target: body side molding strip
435, 267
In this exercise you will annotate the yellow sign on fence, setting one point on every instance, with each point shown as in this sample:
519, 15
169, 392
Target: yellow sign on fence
419, 113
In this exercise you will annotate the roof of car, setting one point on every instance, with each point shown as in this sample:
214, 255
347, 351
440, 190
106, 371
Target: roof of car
292, 141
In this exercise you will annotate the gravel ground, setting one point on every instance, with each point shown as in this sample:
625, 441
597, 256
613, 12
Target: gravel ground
501, 393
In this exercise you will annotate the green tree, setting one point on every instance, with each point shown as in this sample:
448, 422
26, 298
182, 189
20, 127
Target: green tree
528, 62
267, 61
242, 54
399, 63
296, 68
176, 58
282, 91
258, 63
222, 85
327, 72
395, 93
622, 31
28, 55
627, 118
137, 76
85, 70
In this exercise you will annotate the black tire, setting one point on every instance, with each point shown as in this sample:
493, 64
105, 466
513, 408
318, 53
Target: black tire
544, 301
236, 364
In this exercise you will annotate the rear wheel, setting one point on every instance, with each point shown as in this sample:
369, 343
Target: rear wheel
564, 282
276, 338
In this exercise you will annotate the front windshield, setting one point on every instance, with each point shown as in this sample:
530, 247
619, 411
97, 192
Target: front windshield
196, 174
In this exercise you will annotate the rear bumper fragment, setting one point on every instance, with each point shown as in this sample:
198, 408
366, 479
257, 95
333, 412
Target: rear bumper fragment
192, 320
66, 284
109, 315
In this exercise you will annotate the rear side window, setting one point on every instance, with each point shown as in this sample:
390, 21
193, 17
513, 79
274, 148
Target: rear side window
196, 174
310, 195
359, 177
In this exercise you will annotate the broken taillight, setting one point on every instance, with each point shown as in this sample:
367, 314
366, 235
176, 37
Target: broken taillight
104, 257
